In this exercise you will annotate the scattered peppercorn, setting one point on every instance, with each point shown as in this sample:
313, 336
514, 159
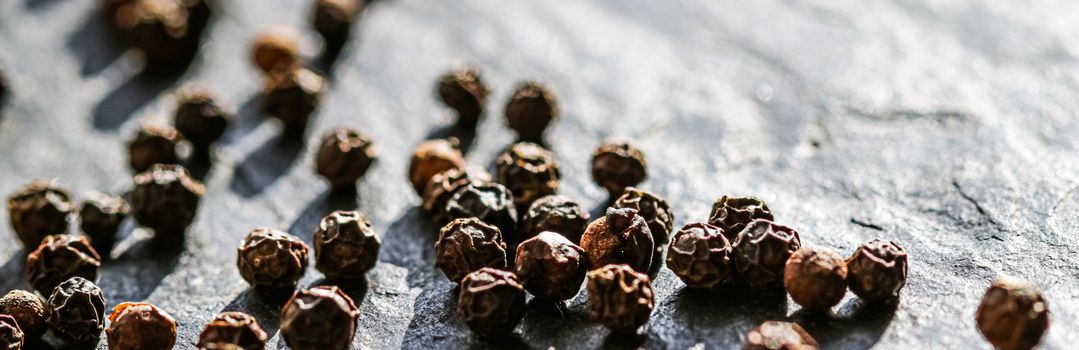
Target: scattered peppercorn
761, 252
773, 335
140, 326
466, 245
491, 203
77, 311
292, 96
619, 297
620, 237
442, 187
617, 165
491, 302
877, 271
271, 259
557, 214
60, 257
160, 29
166, 199
343, 157
346, 246
320, 318
232, 330
101, 216
816, 278
529, 171
551, 267
29, 311
333, 19
732, 214
11, 336
464, 91
655, 212
153, 145
531, 109
701, 256
1013, 315
432, 157
200, 117
276, 49
38, 210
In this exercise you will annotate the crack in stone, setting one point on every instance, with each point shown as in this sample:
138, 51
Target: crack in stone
866, 224
1064, 196
981, 210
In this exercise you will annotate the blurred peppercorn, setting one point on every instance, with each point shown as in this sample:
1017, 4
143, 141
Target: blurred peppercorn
774, 335
761, 252
551, 267
617, 165
276, 49
320, 318
531, 109
655, 212
491, 302
333, 19
529, 171
877, 270
29, 311
442, 187
344, 156
232, 330
557, 214
816, 278
166, 200
733, 213
140, 326
432, 157
38, 210
153, 145
77, 311
272, 260
346, 246
464, 91
59, 258
200, 117
11, 336
1013, 315
100, 217
701, 256
620, 237
490, 202
619, 298
292, 96
160, 29
466, 245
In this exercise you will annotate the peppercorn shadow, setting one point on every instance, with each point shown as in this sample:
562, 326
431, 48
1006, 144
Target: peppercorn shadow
305, 224
355, 288
265, 165
13, 270
464, 133
409, 242
36, 5
857, 324
251, 302
719, 316
94, 42
139, 268
247, 118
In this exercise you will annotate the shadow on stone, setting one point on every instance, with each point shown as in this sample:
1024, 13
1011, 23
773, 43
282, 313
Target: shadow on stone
720, 316
138, 269
253, 303
856, 325
265, 165
95, 43
409, 242
248, 117
466, 134
12, 270
306, 223
356, 289
121, 103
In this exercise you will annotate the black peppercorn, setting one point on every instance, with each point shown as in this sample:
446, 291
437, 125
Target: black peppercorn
333, 19
700, 255
617, 165
346, 246
732, 214
232, 330
343, 157
655, 212
58, 258
271, 259
464, 91
442, 187
161, 30
1013, 315
531, 109
877, 271
551, 267
320, 318
465, 245
276, 49
620, 298
292, 96
557, 214
100, 217
491, 302
620, 237
29, 311
166, 199
153, 145
38, 210
488, 201
816, 278
77, 311
761, 252
11, 336
529, 171
140, 326
432, 157
774, 335
200, 117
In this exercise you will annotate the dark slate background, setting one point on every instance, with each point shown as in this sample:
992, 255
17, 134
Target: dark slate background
947, 126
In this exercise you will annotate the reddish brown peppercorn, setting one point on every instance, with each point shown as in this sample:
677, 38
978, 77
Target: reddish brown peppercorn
29, 311
276, 49
320, 318
58, 258
701, 256
344, 156
200, 117
551, 266
232, 330
1013, 315
655, 212
271, 259
346, 246
166, 199
531, 109
620, 298
333, 19
464, 91
11, 336
77, 311
432, 157
140, 326
620, 237
465, 245
529, 171
816, 278
776, 335
732, 214
617, 165
442, 187
292, 96
761, 252
557, 214
490, 202
153, 145
100, 217
38, 210
877, 271
491, 302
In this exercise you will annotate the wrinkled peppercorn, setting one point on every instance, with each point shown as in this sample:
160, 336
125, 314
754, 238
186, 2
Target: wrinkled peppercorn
200, 117
320, 318
761, 252
344, 156
491, 302
877, 271
166, 199
346, 246
732, 214
1013, 315
816, 278
271, 259
292, 96
531, 109
432, 157
464, 91
529, 171
235, 329
38, 210
161, 29
11, 336
153, 145
617, 165
442, 187
701, 256
557, 214
465, 245
333, 19
620, 298
77, 311
140, 326
620, 237
655, 212
551, 267
491, 203
276, 49
29, 311
58, 258
774, 335
101, 216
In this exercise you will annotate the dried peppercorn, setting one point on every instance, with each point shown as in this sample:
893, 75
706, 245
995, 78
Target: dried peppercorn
77, 311
60, 257
292, 96
271, 259
617, 165
200, 117
160, 29
488, 201
344, 156
153, 145
529, 171
38, 210
620, 237
29, 311
100, 217
655, 212
346, 246
320, 318
1013, 315
466, 245
464, 91
531, 109
732, 214
619, 297
140, 326
761, 252
166, 199
877, 271
442, 187
432, 157
551, 267
491, 302
557, 214
276, 49
700, 256
333, 19
772, 335
11, 336
816, 278
232, 330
